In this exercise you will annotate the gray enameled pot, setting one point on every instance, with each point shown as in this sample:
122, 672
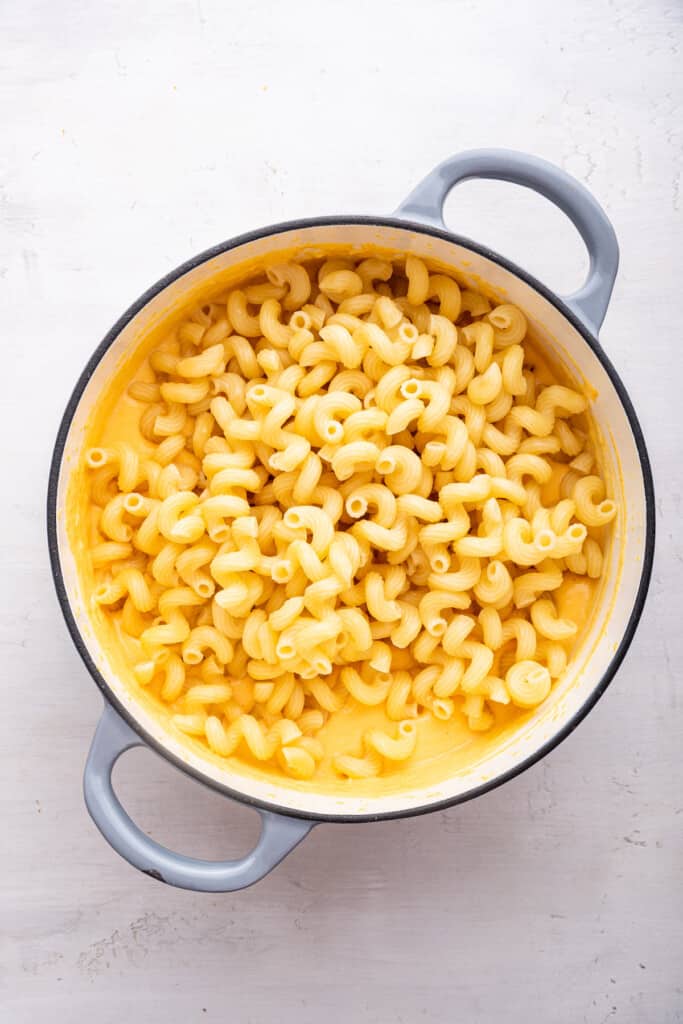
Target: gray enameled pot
569, 326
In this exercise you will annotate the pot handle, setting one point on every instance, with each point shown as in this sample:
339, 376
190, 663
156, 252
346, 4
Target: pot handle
279, 834
589, 303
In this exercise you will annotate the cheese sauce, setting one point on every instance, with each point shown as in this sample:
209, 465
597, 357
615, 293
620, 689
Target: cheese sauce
443, 749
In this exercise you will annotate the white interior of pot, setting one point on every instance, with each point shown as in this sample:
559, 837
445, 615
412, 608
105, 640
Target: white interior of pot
624, 557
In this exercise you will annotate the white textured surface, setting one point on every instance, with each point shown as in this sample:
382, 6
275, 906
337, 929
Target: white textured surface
135, 134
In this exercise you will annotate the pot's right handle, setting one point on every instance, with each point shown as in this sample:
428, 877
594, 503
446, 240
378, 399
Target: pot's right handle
589, 303
279, 833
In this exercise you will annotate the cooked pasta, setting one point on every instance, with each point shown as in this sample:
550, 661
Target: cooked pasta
354, 486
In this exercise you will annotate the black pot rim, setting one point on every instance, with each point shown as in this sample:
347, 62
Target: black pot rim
330, 221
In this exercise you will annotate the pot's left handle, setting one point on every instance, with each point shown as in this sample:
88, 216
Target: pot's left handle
279, 834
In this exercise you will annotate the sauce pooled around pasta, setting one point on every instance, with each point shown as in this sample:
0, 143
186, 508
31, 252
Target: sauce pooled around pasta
353, 492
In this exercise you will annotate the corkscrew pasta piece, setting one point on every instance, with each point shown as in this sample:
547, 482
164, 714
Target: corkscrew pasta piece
528, 683
355, 486
588, 510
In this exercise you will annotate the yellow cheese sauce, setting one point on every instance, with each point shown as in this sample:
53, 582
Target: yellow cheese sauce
444, 748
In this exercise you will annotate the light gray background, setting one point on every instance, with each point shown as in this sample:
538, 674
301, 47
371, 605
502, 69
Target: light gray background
138, 133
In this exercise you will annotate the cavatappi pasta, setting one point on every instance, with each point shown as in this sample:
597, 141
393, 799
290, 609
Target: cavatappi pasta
354, 484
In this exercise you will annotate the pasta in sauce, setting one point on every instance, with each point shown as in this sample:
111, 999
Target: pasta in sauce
352, 484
